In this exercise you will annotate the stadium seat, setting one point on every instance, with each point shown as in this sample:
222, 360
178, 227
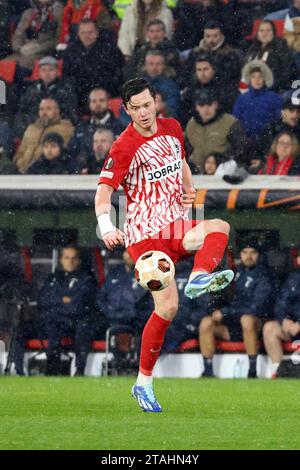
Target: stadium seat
8, 70
39, 344
114, 105
191, 345
279, 26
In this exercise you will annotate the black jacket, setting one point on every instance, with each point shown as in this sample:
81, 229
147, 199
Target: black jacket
59, 166
288, 301
78, 285
98, 66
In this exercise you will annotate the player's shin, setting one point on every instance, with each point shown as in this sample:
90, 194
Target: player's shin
210, 254
152, 341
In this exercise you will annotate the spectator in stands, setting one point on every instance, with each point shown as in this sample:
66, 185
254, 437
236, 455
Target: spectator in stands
193, 16
6, 165
289, 121
292, 26
259, 106
37, 32
49, 85
206, 77
218, 164
100, 117
54, 160
156, 39
49, 121
77, 10
211, 130
155, 67
93, 61
284, 156
286, 325
121, 299
4, 21
66, 300
162, 109
244, 315
92, 163
275, 53
136, 17
227, 59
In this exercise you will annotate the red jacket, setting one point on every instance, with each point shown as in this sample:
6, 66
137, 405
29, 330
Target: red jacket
90, 9
274, 167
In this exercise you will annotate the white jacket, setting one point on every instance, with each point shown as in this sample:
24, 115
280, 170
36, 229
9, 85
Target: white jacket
128, 31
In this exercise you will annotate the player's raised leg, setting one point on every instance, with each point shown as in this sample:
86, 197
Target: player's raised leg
166, 306
208, 240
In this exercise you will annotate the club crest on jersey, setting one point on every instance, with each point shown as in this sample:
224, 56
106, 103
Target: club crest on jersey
109, 164
164, 171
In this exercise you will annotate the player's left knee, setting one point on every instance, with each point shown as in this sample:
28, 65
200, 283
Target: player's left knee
221, 226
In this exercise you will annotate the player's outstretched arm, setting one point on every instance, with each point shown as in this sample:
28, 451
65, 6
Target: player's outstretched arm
111, 235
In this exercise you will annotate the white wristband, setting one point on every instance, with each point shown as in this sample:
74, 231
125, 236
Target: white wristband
105, 224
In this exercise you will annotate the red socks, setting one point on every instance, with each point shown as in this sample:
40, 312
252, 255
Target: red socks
211, 253
152, 341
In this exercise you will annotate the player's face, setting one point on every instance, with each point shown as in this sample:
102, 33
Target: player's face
51, 150
69, 260
212, 37
291, 116
155, 34
249, 257
204, 72
98, 101
48, 73
141, 108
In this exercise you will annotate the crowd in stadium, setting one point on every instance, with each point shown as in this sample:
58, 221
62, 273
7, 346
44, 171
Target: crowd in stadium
221, 67
225, 73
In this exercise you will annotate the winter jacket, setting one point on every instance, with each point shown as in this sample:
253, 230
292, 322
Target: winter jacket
97, 66
31, 145
222, 134
82, 141
274, 167
78, 285
4, 22
288, 302
279, 57
61, 91
120, 295
77, 10
252, 294
6, 141
257, 108
6, 165
128, 31
58, 166
37, 32
169, 89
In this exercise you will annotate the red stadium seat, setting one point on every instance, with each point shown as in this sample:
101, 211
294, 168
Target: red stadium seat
8, 70
228, 346
114, 105
38, 344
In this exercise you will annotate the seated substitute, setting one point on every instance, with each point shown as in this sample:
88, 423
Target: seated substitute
286, 325
66, 302
243, 317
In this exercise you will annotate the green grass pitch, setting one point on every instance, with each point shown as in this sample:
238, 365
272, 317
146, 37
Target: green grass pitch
89, 413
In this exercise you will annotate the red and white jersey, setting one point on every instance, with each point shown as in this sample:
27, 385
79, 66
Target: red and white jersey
150, 172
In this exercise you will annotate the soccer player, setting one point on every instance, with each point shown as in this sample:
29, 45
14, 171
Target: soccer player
148, 159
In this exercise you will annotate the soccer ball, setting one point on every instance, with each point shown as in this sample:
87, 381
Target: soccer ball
154, 270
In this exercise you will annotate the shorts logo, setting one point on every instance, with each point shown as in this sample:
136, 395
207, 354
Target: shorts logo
109, 164
164, 171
